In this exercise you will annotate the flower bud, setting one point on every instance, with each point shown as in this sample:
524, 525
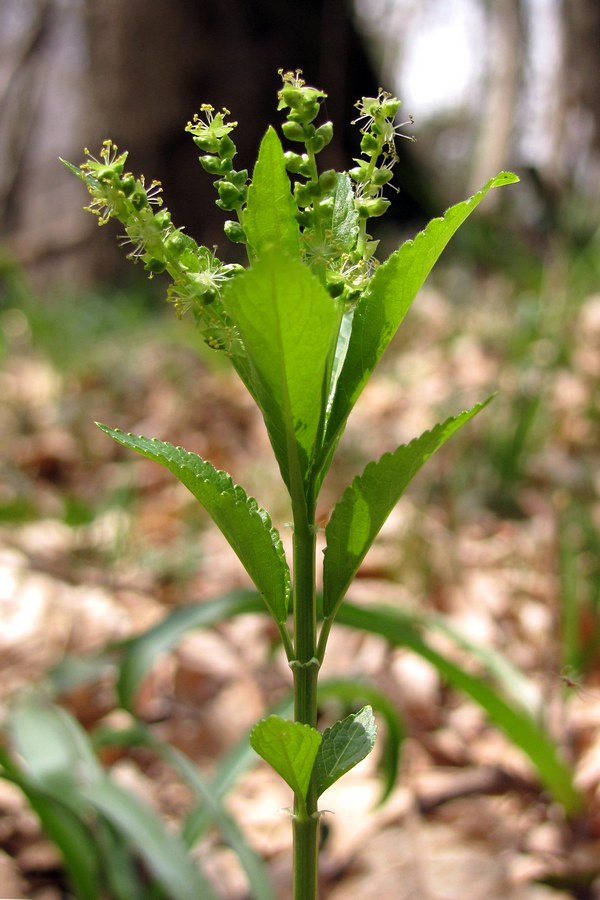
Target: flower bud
324, 133
239, 178
293, 131
227, 148
294, 162
207, 142
369, 144
327, 180
106, 175
381, 176
128, 184
335, 283
234, 232
371, 207
138, 196
390, 107
215, 166
153, 265
304, 194
292, 96
305, 218
230, 196
177, 242
360, 172
163, 219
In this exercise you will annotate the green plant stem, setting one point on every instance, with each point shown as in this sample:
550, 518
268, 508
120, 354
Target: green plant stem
305, 669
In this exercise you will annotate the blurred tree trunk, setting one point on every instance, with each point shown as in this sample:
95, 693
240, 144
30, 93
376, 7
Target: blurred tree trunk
581, 86
136, 72
150, 72
41, 64
496, 122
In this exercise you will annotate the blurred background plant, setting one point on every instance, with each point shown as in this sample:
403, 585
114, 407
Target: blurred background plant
95, 548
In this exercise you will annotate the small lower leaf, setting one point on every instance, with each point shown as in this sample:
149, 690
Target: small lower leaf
290, 748
344, 745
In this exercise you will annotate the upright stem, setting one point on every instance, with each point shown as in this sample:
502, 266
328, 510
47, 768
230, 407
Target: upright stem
305, 669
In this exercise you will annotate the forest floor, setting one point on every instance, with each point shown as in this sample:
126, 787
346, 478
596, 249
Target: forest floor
499, 533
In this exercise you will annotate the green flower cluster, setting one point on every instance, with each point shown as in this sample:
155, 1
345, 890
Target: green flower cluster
344, 266
212, 137
198, 276
332, 208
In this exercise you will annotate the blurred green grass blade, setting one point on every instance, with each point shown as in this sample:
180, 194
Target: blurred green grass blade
140, 652
367, 502
245, 525
209, 791
120, 869
515, 686
518, 725
256, 871
56, 750
164, 854
231, 767
350, 690
64, 828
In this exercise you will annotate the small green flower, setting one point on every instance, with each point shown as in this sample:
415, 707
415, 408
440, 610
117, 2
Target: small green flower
302, 101
211, 134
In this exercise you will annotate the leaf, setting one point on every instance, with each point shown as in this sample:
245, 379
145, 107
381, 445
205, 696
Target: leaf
344, 217
244, 524
384, 304
64, 828
270, 215
290, 748
230, 768
344, 745
164, 854
289, 326
365, 505
523, 730
55, 749
140, 652
356, 690
516, 687
404, 630
256, 872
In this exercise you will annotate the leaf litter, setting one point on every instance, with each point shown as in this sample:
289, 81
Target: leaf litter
95, 547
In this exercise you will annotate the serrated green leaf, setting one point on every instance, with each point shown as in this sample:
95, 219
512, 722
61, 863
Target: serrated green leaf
384, 304
289, 326
246, 526
270, 214
290, 748
344, 745
344, 217
367, 502
163, 852
357, 691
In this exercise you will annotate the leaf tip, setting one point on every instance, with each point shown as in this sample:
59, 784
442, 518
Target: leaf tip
503, 178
